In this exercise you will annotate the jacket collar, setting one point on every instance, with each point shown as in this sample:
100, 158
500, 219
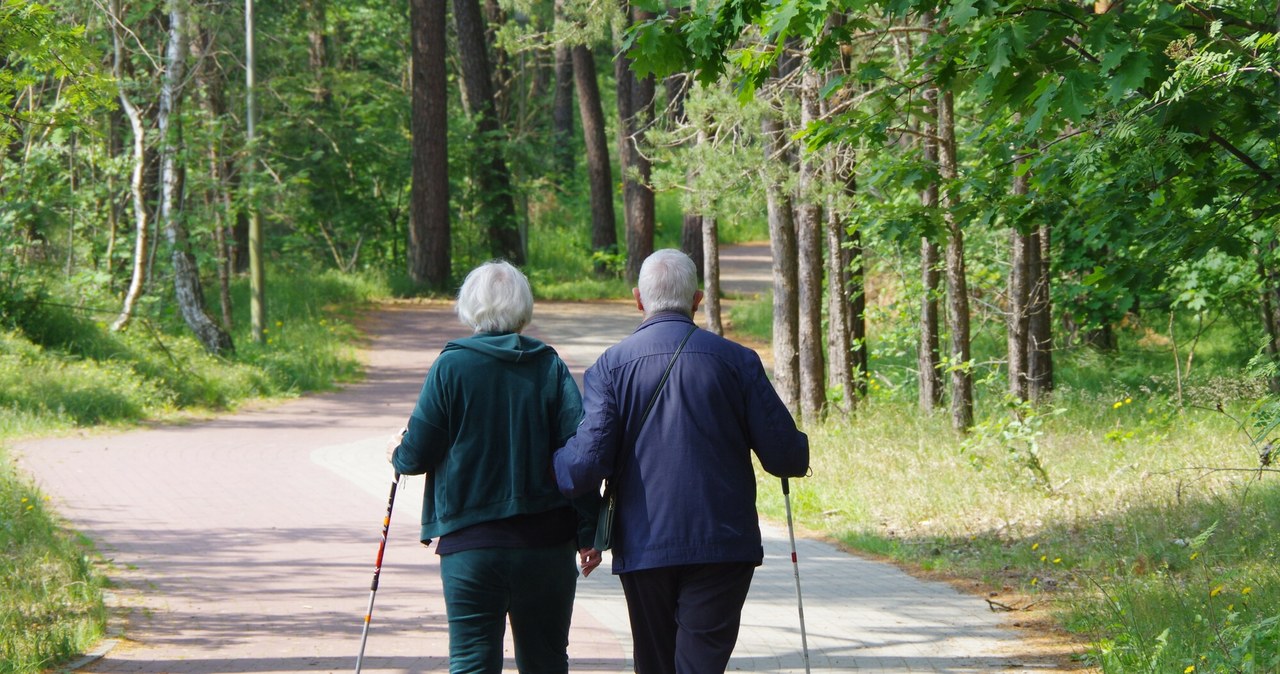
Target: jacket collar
664, 317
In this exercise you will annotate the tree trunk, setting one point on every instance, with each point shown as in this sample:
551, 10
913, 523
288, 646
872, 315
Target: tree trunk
928, 360
786, 275
846, 302
497, 204
711, 263
317, 50
691, 241
114, 148
429, 232
859, 355
677, 87
186, 276
813, 381
604, 224
957, 284
501, 73
217, 197
562, 102
1269, 302
1019, 291
710, 245
141, 226
634, 118
1040, 320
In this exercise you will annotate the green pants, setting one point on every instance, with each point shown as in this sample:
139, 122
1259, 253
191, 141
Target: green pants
534, 586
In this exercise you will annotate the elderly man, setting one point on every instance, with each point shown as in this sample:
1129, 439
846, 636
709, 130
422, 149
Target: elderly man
492, 409
687, 533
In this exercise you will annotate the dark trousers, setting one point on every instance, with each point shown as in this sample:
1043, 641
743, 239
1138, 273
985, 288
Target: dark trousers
534, 586
684, 619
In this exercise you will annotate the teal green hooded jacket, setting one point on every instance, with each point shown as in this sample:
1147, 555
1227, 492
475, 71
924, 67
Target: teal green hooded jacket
493, 408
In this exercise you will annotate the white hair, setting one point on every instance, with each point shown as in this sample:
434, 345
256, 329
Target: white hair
495, 297
668, 282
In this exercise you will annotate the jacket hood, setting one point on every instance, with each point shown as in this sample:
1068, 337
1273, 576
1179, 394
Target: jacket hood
507, 346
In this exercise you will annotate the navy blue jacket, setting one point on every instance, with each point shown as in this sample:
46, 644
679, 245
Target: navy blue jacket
686, 487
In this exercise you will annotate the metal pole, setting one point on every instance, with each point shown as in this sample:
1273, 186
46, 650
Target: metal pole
257, 295
377, 571
795, 564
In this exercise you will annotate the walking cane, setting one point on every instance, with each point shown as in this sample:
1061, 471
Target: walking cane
795, 564
377, 570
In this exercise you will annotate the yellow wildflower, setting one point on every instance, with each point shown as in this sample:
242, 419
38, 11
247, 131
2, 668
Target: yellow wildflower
1215, 591
1117, 405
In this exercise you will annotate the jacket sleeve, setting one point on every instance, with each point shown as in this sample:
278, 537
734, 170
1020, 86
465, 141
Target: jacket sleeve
783, 449
587, 506
588, 457
427, 437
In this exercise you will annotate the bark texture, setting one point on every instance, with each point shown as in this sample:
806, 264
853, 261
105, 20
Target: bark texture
957, 282
1040, 318
141, 236
786, 291
604, 222
186, 276
429, 252
497, 199
1019, 296
809, 235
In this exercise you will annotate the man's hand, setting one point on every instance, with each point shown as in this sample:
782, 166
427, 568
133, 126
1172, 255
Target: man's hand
590, 559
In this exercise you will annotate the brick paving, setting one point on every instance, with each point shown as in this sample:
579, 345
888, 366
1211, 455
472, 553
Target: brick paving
245, 543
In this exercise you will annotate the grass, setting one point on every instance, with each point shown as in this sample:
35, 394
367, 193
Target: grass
50, 595
61, 368
1129, 505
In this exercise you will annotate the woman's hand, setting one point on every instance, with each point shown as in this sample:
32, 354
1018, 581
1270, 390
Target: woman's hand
394, 442
590, 559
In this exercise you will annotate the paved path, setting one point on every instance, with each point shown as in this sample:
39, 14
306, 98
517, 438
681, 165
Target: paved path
246, 543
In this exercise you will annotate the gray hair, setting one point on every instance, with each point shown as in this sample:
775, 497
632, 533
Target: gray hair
495, 297
668, 282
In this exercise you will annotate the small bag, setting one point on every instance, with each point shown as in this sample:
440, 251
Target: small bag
609, 500
604, 523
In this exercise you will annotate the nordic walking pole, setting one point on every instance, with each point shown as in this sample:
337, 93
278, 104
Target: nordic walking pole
377, 570
795, 564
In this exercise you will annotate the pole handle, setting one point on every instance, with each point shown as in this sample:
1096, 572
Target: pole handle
786, 487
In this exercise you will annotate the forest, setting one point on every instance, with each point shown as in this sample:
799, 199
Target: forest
993, 215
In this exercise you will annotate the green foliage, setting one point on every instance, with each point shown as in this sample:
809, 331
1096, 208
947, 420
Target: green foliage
37, 47
1153, 551
50, 593
1016, 430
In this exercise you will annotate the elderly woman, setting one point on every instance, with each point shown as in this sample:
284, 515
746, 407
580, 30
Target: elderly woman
492, 409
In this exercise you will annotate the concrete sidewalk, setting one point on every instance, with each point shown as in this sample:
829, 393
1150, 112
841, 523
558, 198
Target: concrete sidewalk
246, 543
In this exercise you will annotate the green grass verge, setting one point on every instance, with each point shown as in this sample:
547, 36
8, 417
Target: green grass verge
1129, 503
50, 594
61, 368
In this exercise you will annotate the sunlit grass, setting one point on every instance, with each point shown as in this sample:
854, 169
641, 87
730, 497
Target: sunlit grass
50, 595
1147, 527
